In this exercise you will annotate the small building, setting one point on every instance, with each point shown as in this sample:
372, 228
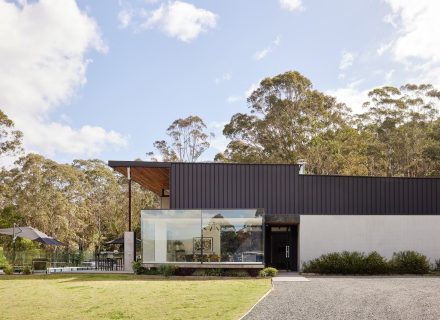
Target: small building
252, 215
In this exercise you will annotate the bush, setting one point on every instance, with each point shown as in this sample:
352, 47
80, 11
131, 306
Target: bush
3, 261
141, 270
214, 272
358, 263
376, 264
167, 269
338, 263
236, 273
27, 270
136, 265
412, 262
348, 263
208, 273
268, 272
8, 269
436, 266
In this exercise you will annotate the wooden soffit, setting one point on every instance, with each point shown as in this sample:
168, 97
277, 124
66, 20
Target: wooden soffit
154, 179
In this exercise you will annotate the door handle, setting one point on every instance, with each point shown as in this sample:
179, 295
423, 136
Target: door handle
287, 251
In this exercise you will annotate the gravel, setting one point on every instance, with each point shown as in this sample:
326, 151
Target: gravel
352, 298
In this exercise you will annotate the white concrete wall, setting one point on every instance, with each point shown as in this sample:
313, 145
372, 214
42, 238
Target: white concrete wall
321, 234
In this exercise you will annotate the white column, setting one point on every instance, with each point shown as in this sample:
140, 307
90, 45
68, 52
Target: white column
128, 251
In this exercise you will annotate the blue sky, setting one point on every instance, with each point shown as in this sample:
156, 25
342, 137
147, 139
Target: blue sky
105, 79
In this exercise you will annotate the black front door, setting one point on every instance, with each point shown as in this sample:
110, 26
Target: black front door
283, 251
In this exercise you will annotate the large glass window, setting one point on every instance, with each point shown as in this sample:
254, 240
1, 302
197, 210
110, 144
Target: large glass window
196, 236
232, 236
168, 235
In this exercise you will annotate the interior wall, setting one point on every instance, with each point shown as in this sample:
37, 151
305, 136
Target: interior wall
386, 234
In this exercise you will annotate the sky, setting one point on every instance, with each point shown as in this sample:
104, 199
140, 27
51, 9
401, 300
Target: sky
104, 79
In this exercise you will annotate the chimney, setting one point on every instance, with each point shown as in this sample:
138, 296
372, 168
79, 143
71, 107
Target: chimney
302, 166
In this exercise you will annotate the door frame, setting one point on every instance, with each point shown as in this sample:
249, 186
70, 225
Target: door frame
293, 241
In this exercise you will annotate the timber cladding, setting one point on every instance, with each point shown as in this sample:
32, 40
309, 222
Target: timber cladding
280, 189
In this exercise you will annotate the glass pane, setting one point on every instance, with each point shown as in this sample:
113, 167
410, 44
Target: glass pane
232, 236
170, 235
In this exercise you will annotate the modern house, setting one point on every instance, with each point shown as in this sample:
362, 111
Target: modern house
251, 215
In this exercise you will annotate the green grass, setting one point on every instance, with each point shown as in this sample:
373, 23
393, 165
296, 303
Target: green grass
125, 297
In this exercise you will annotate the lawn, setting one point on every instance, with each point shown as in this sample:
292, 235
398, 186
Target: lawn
125, 297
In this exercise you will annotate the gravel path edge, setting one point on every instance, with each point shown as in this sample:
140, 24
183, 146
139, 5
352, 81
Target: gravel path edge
259, 300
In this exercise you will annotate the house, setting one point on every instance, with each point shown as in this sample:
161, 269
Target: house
251, 215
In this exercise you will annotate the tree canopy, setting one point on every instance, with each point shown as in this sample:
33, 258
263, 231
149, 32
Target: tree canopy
10, 138
188, 140
289, 121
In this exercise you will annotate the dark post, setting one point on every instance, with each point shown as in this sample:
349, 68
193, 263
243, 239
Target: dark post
129, 197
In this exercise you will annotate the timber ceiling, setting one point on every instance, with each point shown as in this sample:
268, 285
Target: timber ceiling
154, 179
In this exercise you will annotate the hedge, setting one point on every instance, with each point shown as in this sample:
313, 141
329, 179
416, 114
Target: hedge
403, 262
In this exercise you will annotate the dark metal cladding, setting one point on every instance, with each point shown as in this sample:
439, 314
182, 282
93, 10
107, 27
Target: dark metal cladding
217, 185
280, 189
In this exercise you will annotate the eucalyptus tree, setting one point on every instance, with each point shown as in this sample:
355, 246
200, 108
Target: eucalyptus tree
188, 140
10, 138
286, 113
396, 123
50, 197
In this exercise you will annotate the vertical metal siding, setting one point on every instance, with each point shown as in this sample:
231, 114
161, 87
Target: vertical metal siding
279, 189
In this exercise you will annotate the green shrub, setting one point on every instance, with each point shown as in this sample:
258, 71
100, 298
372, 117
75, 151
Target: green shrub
27, 270
208, 272
214, 272
199, 273
376, 264
236, 273
348, 263
337, 263
167, 269
8, 269
3, 260
268, 272
358, 263
436, 266
409, 262
141, 270
136, 265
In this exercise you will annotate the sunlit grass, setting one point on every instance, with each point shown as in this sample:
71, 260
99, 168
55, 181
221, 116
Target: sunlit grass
125, 297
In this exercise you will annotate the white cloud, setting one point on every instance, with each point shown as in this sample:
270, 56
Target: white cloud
291, 5
277, 40
261, 54
125, 17
224, 77
233, 99
180, 20
244, 96
351, 95
417, 45
347, 60
43, 62
384, 47
389, 76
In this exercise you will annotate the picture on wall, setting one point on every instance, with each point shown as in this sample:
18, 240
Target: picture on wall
207, 244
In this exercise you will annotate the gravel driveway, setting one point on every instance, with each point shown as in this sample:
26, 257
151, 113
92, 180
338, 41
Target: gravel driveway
352, 298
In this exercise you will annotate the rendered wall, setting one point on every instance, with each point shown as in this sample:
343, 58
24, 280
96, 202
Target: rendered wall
319, 234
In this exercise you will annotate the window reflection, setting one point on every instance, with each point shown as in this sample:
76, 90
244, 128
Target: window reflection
236, 235
195, 236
